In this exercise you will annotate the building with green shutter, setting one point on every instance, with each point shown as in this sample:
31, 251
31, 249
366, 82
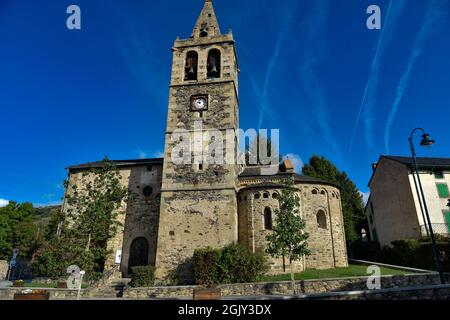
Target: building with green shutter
395, 210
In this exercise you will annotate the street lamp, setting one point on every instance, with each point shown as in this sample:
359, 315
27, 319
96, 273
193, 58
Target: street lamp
426, 142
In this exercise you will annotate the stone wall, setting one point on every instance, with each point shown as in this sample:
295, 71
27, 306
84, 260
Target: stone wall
435, 292
326, 242
308, 289
3, 269
192, 220
252, 230
198, 200
285, 288
55, 294
142, 214
137, 219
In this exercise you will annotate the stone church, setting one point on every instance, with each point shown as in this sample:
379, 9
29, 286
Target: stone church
180, 208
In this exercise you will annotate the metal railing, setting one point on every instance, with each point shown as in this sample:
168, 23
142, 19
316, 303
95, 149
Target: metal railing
438, 228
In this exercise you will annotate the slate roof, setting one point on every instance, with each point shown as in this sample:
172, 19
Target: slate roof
118, 163
422, 162
255, 172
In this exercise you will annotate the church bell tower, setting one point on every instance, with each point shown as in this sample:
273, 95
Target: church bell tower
198, 198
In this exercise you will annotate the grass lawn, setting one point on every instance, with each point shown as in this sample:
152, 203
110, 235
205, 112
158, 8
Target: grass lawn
350, 271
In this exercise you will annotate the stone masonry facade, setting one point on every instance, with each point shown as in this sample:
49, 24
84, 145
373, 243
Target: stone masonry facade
179, 208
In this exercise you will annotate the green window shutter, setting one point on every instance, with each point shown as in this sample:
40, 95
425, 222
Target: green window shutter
447, 219
375, 236
439, 175
443, 190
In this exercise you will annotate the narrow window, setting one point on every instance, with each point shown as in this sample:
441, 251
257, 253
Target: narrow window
204, 30
314, 191
266, 195
371, 208
443, 190
213, 64
191, 66
267, 219
321, 219
147, 191
322, 192
149, 168
200, 167
257, 195
275, 195
439, 174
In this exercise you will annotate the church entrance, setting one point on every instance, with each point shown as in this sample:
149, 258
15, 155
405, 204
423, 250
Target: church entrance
138, 253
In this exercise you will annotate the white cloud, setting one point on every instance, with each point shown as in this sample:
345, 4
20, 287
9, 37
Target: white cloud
48, 204
142, 154
3, 202
158, 154
365, 196
296, 161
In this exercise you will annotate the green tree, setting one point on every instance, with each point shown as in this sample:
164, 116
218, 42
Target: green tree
288, 237
17, 229
352, 203
90, 221
93, 208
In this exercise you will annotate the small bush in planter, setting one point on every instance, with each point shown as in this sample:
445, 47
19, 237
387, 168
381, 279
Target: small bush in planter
19, 283
142, 276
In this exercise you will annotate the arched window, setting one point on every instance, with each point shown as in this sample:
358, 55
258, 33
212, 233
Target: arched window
314, 191
257, 196
191, 66
267, 219
138, 253
266, 195
321, 219
213, 64
275, 195
322, 192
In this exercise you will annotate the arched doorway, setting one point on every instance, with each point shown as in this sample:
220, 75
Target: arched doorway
138, 253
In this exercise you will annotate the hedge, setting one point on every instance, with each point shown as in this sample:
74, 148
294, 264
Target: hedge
142, 276
232, 264
406, 252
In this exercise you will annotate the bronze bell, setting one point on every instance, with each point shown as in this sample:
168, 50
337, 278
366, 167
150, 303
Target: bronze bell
214, 70
191, 70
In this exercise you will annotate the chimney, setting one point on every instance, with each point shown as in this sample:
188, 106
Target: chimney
374, 166
287, 166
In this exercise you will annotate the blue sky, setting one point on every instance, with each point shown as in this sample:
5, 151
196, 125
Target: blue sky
68, 97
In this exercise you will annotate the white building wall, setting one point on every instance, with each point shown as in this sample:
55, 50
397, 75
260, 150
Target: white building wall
435, 204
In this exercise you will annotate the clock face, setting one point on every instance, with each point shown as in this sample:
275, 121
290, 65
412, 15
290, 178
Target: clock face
199, 103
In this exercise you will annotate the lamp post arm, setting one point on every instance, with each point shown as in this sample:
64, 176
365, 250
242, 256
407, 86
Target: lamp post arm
433, 240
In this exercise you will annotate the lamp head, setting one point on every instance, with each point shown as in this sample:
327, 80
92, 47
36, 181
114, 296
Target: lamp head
426, 140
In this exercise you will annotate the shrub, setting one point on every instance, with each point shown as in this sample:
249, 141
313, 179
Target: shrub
142, 276
232, 264
206, 271
54, 257
407, 252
